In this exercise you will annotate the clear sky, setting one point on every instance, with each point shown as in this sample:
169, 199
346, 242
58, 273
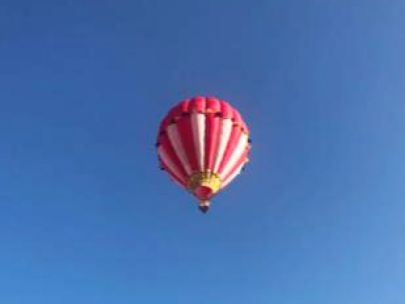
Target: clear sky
87, 217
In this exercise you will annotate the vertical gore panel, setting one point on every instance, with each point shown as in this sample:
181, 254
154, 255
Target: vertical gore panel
198, 126
228, 180
230, 148
211, 139
177, 144
238, 164
184, 126
164, 124
235, 155
184, 106
212, 105
212, 129
224, 134
226, 110
197, 104
169, 150
170, 168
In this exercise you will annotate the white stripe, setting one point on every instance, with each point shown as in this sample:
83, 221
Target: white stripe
232, 176
236, 155
174, 137
224, 135
198, 127
169, 163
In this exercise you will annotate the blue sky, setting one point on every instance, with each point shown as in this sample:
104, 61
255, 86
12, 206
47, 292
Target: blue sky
87, 217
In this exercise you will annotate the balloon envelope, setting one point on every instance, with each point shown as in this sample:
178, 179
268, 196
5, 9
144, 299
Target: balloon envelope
203, 144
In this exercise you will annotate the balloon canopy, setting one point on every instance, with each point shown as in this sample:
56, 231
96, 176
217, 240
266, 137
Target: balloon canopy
203, 144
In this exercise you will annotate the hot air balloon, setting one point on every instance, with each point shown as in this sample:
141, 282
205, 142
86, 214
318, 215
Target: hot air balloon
203, 144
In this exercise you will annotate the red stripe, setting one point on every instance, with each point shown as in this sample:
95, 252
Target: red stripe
184, 105
237, 118
212, 128
240, 161
226, 110
197, 104
165, 142
163, 125
187, 138
213, 105
230, 148
181, 182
